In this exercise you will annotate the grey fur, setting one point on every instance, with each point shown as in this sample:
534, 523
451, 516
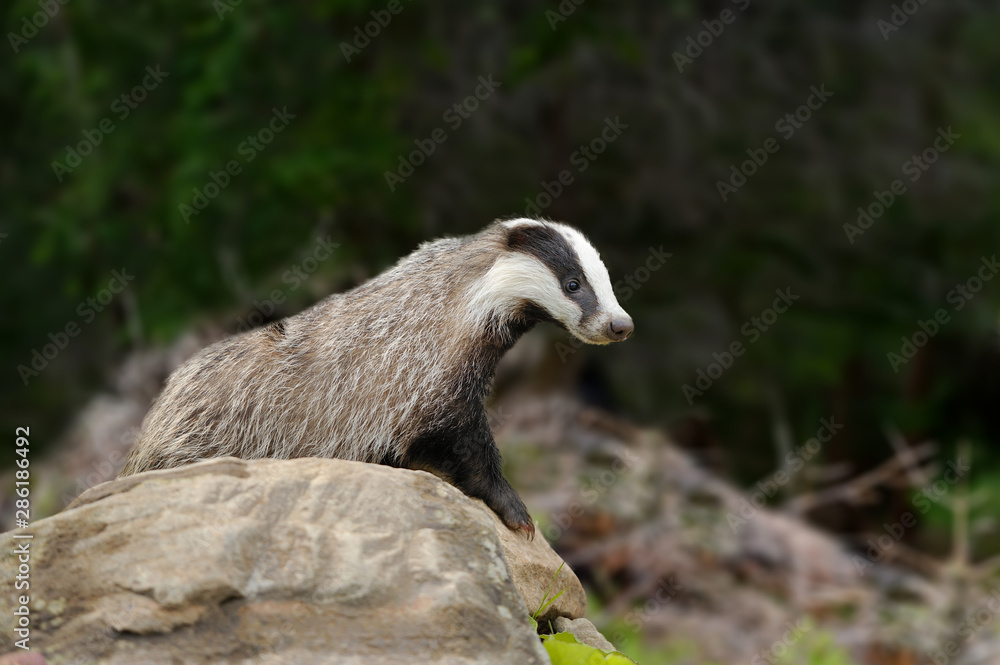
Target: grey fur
393, 371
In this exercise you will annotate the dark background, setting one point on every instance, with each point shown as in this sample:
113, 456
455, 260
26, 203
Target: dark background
562, 76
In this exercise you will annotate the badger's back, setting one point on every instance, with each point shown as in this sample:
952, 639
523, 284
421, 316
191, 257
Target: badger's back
357, 376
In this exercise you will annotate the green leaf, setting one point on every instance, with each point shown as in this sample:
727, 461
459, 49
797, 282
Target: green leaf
547, 604
543, 605
564, 649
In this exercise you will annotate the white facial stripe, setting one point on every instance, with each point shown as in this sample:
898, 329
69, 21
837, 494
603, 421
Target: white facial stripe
516, 277
593, 269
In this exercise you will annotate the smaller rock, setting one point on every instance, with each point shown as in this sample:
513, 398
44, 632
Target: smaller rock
533, 564
584, 631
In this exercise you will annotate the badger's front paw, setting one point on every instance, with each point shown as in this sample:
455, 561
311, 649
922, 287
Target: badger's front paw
514, 514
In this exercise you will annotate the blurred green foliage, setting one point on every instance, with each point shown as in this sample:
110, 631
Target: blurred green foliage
811, 646
324, 175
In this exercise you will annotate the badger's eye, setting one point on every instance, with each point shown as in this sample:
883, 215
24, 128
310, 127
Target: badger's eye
572, 286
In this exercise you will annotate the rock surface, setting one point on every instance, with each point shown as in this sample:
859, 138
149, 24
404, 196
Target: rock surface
23, 658
584, 631
277, 561
533, 565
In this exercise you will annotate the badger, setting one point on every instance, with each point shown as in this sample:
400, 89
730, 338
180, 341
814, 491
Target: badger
394, 371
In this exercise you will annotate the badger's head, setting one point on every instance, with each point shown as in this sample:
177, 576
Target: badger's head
550, 270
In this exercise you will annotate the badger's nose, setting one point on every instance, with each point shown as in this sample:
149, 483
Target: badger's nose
619, 329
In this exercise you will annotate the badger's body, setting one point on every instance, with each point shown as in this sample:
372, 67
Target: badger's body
394, 371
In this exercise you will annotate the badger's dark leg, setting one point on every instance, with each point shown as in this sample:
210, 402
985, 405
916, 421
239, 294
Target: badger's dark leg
469, 459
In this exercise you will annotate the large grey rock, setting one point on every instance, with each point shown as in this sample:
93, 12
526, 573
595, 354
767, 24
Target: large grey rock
274, 561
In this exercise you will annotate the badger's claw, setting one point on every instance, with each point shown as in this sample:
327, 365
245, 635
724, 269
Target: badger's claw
527, 526
515, 515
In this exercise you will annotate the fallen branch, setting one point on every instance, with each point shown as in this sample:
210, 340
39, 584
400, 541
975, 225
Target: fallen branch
855, 490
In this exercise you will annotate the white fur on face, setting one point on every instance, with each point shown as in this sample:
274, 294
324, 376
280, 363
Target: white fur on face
519, 274
597, 274
514, 278
523, 221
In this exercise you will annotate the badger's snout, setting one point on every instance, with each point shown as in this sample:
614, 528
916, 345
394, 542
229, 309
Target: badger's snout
620, 328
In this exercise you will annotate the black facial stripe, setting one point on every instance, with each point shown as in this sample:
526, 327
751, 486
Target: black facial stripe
554, 251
